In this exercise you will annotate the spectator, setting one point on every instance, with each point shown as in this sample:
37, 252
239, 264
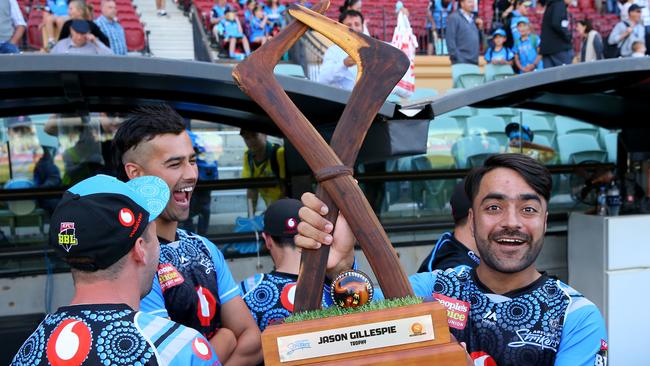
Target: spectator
625, 33
513, 18
639, 49
233, 33
258, 26
218, 14
592, 42
437, 20
623, 9
105, 230
280, 226
78, 9
526, 49
12, 26
556, 48
160, 8
276, 13
356, 6
499, 54
263, 159
645, 19
55, 14
463, 34
81, 41
338, 69
47, 175
109, 25
250, 10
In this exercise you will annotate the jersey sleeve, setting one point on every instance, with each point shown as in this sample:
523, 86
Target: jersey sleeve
281, 163
488, 55
246, 170
422, 284
154, 302
584, 338
228, 288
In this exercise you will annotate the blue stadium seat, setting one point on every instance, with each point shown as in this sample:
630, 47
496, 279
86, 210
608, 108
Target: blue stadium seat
540, 126
611, 144
506, 113
576, 148
497, 72
445, 128
460, 114
566, 125
472, 151
466, 76
492, 126
542, 140
290, 70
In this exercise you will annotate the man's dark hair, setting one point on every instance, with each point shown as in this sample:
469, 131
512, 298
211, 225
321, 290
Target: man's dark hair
350, 13
283, 241
532, 171
142, 125
587, 24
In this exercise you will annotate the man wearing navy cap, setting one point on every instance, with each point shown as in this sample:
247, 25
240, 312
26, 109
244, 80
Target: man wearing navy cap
455, 249
270, 296
80, 42
105, 230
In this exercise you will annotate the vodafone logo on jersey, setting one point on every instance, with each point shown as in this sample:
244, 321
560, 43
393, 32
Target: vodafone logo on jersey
126, 217
69, 344
201, 348
481, 358
287, 296
207, 306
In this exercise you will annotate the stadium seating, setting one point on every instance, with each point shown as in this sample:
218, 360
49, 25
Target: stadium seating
466, 76
492, 126
497, 72
540, 126
445, 128
611, 143
472, 151
461, 114
566, 125
576, 148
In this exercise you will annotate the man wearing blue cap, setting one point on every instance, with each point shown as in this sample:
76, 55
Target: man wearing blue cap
105, 230
80, 42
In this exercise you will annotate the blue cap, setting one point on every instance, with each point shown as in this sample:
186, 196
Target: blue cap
499, 32
523, 20
99, 219
80, 26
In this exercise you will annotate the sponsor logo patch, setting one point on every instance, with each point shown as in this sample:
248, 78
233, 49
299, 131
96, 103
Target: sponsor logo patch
601, 356
201, 348
417, 329
67, 238
457, 310
290, 226
126, 217
481, 358
535, 338
288, 295
168, 276
69, 344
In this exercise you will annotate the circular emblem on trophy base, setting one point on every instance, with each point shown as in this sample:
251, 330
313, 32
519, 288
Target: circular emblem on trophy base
351, 289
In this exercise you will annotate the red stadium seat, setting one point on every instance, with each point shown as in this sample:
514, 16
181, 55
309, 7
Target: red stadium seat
134, 38
34, 33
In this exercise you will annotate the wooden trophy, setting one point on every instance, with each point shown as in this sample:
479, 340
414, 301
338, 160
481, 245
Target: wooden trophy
409, 335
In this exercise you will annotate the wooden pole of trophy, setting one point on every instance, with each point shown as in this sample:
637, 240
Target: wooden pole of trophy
409, 335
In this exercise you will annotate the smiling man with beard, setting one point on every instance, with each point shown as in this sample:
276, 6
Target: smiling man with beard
194, 286
505, 311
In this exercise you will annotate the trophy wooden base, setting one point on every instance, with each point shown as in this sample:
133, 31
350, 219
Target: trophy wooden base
408, 335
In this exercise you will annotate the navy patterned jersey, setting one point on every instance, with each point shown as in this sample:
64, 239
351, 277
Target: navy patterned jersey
270, 296
112, 334
542, 324
193, 282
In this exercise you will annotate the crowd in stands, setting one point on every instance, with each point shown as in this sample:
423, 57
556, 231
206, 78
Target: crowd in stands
70, 26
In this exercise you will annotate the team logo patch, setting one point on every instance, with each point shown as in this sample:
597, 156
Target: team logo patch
287, 296
69, 344
291, 226
67, 237
201, 348
126, 217
417, 329
481, 358
207, 307
168, 276
457, 310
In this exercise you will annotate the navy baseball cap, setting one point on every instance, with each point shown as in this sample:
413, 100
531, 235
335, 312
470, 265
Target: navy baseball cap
99, 219
281, 218
80, 26
634, 7
460, 203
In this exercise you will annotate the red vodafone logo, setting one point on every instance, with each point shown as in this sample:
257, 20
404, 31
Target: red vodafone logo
69, 344
482, 359
126, 217
288, 295
201, 348
207, 306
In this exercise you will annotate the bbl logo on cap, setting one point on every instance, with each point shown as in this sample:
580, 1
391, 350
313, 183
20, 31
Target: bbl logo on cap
67, 236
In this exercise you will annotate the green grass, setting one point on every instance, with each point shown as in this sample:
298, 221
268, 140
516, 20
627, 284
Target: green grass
336, 311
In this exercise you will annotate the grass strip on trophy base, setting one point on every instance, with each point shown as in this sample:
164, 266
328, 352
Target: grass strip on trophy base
337, 311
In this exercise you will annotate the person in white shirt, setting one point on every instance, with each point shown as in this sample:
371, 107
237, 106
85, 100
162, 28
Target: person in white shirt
12, 26
81, 42
338, 69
